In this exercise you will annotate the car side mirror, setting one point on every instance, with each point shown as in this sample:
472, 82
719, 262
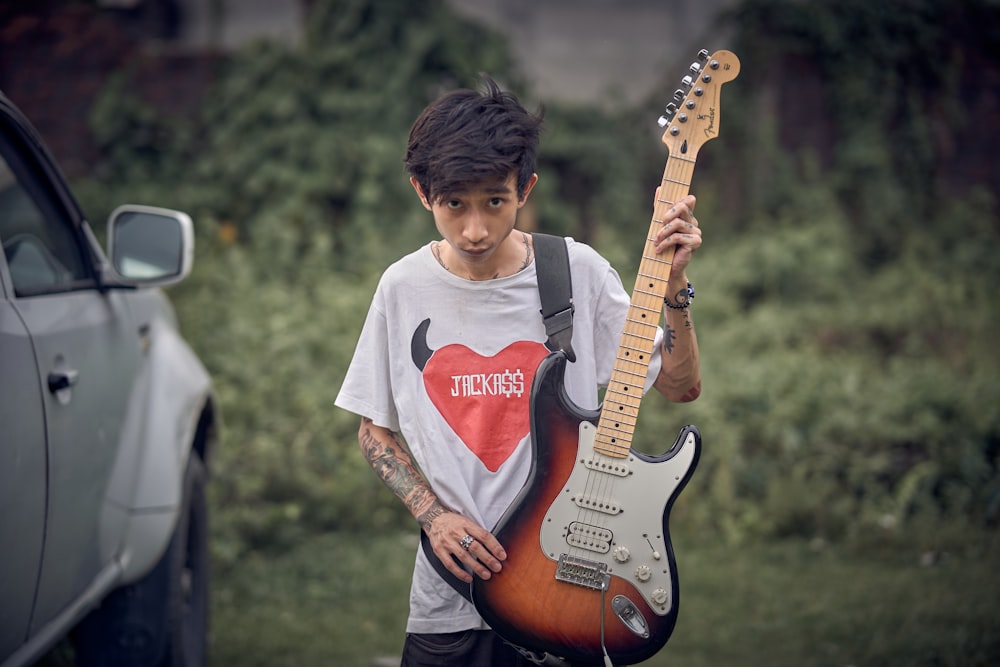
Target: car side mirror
150, 246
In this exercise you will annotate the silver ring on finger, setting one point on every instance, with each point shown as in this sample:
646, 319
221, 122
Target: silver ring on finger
467, 542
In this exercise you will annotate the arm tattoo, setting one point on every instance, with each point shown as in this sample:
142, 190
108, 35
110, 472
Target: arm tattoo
670, 333
692, 393
393, 464
669, 336
427, 518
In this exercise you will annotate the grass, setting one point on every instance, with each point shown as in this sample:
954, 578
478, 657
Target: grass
341, 600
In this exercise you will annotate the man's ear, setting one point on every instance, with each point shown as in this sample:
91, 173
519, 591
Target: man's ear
420, 193
527, 190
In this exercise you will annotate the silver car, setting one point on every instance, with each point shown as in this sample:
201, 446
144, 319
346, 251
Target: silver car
106, 424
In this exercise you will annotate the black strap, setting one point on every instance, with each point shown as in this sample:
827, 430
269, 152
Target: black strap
555, 288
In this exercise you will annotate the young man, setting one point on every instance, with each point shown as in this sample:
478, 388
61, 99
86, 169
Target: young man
443, 368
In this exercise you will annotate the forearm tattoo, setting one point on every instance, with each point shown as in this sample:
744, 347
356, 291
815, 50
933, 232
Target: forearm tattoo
392, 463
427, 518
693, 393
670, 333
683, 367
669, 336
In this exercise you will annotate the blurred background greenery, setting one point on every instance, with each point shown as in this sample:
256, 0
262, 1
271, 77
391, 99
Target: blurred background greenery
846, 308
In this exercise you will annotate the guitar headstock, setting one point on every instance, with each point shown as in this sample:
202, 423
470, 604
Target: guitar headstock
692, 117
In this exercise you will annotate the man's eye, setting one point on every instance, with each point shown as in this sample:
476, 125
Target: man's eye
453, 203
496, 202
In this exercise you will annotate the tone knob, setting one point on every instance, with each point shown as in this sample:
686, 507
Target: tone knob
643, 573
660, 596
621, 553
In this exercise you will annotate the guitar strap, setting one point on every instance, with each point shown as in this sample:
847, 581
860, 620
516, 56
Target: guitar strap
555, 289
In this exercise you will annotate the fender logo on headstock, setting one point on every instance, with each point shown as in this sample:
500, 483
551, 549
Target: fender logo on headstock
710, 117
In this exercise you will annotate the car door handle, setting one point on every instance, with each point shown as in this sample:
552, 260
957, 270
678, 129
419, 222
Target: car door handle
59, 380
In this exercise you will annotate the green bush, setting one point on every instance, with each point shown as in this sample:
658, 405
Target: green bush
847, 323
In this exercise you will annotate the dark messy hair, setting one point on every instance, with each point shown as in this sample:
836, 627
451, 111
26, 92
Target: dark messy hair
467, 137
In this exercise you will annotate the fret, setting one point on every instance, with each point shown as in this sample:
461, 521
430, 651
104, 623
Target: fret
633, 406
642, 328
626, 390
640, 336
625, 420
614, 439
622, 429
658, 296
637, 374
671, 180
618, 452
642, 316
657, 260
616, 443
614, 435
650, 276
648, 309
620, 407
682, 158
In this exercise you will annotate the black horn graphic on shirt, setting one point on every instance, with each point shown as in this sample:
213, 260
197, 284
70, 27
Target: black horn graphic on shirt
419, 351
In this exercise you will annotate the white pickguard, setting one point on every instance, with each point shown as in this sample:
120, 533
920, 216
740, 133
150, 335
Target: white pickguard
611, 511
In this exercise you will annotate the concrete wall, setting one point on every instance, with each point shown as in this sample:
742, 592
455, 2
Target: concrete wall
601, 51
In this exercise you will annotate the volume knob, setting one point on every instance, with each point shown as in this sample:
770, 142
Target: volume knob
643, 573
621, 553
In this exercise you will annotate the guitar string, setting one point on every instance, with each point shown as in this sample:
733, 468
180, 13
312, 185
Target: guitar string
601, 486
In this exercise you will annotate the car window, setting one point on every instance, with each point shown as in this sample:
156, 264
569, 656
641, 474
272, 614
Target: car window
42, 251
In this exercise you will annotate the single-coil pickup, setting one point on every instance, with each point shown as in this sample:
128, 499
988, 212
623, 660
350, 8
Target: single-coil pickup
593, 538
608, 465
605, 505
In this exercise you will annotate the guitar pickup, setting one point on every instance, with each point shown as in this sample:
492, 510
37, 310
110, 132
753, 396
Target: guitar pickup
608, 465
597, 504
593, 538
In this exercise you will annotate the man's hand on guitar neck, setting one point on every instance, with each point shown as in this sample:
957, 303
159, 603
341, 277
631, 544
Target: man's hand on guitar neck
680, 229
452, 535
680, 375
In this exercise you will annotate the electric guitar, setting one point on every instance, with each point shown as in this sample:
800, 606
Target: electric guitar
590, 573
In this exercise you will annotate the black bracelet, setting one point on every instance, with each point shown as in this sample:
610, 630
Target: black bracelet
688, 296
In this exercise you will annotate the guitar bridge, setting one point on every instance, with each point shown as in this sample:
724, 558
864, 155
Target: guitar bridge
583, 572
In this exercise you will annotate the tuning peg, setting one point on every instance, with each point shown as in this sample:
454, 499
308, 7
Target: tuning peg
695, 67
668, 115
703, 55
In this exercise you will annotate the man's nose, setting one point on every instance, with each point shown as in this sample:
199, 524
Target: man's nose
475, 229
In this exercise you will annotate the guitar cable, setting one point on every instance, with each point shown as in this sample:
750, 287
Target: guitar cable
604, 649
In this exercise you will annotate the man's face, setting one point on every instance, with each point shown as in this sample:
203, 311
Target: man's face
477, 221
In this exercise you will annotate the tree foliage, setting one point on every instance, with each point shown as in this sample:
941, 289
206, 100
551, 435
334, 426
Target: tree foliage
846, 317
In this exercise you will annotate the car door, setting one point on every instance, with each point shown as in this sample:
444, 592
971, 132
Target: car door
86, 353
22, 468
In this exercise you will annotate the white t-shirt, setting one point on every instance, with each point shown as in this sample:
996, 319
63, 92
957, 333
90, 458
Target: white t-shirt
449, 362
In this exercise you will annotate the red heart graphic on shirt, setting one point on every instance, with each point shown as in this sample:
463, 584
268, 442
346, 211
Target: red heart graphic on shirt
485, 400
